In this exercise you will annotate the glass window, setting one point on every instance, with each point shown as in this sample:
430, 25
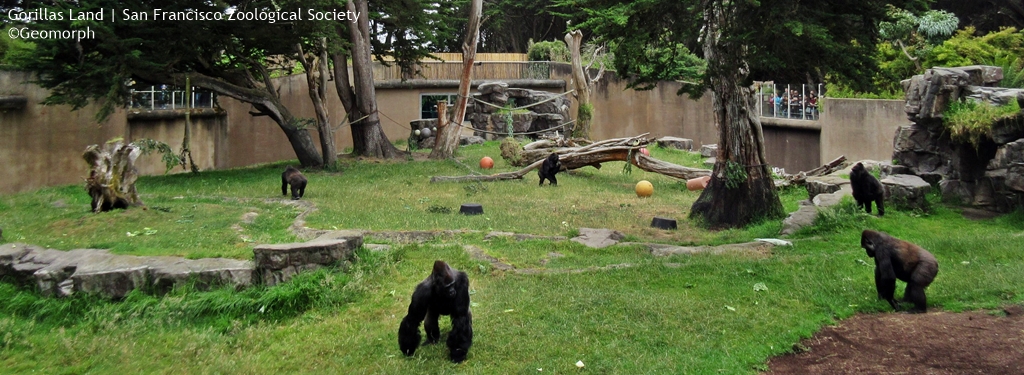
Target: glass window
428, 103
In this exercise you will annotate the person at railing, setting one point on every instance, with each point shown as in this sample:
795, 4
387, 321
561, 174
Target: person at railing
812, 106
777, 99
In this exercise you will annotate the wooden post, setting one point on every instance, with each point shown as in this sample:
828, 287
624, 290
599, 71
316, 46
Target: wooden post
442, 120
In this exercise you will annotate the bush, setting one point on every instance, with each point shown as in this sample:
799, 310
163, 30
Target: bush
970, 121
548, 51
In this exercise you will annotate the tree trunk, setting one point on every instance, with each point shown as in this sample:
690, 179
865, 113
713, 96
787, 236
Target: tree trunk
316, 82
585, 110
741, 190
265, 101
112, 175
368, 137
449, 136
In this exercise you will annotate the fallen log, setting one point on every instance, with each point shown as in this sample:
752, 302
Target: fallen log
593, 156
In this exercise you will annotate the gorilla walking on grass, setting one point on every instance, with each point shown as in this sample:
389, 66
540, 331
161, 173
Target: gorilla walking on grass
899, 259
444, 292
293, 177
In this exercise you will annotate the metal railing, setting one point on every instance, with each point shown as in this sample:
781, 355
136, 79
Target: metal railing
481, 70
169, 97
789, 101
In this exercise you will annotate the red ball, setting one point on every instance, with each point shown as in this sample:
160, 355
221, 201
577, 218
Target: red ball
486, 162
645, 152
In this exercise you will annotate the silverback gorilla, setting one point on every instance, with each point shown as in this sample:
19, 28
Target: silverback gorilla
293, 177
444, 292
549, 169
898, 259
867, 189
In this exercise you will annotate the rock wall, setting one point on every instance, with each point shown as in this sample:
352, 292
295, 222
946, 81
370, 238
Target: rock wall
546, 111
95, 271
989, 175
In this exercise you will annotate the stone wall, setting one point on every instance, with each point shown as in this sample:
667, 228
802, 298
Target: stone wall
987, 175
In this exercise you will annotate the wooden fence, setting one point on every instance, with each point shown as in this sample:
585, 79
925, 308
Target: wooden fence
453, 70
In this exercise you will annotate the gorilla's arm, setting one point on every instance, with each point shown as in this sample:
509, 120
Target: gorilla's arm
409, 331
885, 278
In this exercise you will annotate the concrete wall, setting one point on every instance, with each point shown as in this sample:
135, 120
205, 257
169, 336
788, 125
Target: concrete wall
860, 128
43, 145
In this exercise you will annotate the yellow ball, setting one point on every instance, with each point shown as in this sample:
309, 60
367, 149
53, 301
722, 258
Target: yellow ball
644, 189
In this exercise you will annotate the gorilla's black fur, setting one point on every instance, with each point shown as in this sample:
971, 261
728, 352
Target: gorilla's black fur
444, 292
898, 259
867, 189
293, 177
549, 168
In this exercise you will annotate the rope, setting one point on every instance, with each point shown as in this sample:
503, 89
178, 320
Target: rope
346, 122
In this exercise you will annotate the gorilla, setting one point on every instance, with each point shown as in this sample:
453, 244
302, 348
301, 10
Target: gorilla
293, 177
867, 189
549, 169
444, 292
898, 259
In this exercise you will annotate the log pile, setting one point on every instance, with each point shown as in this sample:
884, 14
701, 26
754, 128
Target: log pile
112, 175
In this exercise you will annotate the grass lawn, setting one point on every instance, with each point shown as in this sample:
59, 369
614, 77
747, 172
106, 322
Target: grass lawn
701, 314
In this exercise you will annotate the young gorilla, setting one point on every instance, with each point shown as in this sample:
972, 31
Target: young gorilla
444, 292
898, 259
549, 168
867, 189
293, 177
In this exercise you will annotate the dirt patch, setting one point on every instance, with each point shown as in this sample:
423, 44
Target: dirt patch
932, 343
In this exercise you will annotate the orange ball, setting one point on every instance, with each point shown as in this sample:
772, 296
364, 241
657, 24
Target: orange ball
486, 162
644, 189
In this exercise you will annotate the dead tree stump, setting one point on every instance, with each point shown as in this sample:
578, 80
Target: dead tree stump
112, 175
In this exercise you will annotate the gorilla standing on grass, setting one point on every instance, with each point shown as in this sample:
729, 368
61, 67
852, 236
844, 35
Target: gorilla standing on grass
899, 259
444, 292
867, 189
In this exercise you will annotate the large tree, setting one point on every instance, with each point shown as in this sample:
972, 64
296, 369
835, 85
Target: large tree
740, 41
233, 58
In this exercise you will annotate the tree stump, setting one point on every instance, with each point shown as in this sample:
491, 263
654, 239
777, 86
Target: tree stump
112, 175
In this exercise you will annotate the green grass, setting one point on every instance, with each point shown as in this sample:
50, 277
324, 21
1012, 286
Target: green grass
683, 314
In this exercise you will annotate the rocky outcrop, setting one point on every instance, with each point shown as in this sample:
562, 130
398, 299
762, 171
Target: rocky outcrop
540, 112
989, 174
906, 191
96, 271
676, 143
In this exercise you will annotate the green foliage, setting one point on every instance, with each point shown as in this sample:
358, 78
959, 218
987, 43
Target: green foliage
970, 121
836, 90
167, 155
844, 216
735, 174
511, 150
554, 50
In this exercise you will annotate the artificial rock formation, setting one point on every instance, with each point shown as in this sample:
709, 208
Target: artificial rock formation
545, 111
988, 175
95, 271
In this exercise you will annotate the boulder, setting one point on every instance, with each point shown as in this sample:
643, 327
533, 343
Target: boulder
824, 185
598, 238
280, 262
492, 87
802, 217
471, 140
709, 151
676, 143
906, 191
